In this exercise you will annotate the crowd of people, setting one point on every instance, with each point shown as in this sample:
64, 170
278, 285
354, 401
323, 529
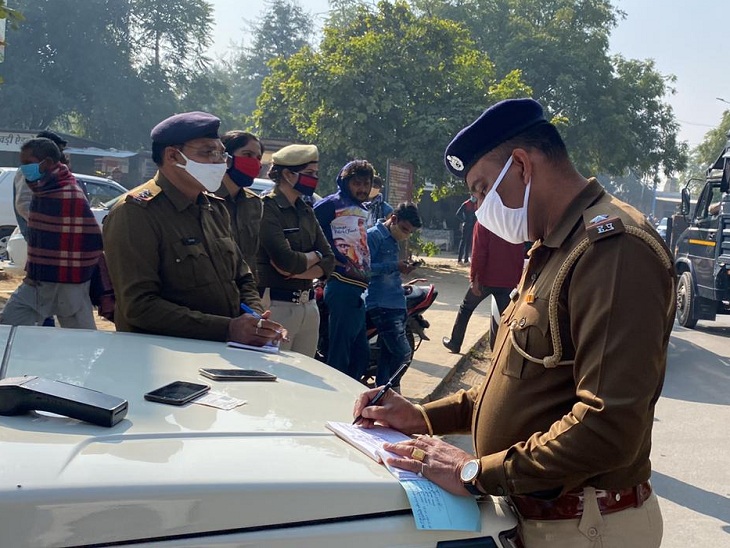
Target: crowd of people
562, 423
194, 253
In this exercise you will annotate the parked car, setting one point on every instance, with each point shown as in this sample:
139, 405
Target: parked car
267, 473
98, 190
661, 228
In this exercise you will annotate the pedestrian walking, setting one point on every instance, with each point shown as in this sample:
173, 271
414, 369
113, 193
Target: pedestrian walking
64, 244
496, 267
466, 214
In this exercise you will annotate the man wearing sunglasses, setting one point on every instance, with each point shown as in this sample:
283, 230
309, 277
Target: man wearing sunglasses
175, 267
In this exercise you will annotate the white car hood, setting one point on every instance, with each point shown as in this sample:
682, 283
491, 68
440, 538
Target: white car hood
177, 470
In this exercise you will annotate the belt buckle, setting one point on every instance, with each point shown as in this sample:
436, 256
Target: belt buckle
297, 296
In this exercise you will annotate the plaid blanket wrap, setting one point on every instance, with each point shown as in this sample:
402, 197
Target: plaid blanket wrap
64, 239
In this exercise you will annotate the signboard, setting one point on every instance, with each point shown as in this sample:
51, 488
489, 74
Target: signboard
10, 141
399, 179
2, 40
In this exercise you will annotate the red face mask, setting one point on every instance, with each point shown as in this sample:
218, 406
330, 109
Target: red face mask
244, 169
306, 184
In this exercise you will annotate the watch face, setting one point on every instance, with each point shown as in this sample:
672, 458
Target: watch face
469, 471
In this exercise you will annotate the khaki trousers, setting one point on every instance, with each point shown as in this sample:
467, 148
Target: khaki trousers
300, 320
631, 528
33, 302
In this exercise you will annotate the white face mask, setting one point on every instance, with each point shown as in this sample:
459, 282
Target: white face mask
208, 175
507, 223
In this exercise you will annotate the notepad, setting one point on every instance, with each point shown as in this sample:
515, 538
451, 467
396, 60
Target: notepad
368, 440
268, 347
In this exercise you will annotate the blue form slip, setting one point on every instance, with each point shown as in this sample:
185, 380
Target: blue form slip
433, 506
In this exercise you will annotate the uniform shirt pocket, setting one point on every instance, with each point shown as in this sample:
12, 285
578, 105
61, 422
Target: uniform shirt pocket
529, 327
226, 248
191, 265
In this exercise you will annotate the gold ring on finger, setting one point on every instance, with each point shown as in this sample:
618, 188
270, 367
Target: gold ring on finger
418, 454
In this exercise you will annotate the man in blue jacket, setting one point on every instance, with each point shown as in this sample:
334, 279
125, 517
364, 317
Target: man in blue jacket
385, 300
343, 217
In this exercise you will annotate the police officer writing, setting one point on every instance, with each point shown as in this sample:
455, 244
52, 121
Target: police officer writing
562, 423
175, 268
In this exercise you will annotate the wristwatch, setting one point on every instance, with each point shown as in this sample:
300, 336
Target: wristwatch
469, 474
318, 254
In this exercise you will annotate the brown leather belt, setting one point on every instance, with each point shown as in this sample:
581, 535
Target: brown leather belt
570, 505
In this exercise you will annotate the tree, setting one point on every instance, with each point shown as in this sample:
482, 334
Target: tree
171, 36
389, 85
561, 48
282, 31
343, 12
118, 92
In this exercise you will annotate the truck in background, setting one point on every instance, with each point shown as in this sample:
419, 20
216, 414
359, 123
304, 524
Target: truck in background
701, 246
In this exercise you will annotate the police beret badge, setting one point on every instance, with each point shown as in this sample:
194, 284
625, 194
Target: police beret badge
497, 124
455, 162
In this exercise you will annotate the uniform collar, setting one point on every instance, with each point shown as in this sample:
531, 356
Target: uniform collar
178, 199
281, 200
590, 194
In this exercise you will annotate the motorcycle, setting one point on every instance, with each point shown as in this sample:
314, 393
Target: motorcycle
418, 299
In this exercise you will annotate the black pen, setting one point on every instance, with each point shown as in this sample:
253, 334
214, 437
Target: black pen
388, 385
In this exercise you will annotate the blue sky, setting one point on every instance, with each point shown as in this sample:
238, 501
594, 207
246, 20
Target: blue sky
686, 38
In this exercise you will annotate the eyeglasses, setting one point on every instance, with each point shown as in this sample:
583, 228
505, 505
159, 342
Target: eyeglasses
214, 156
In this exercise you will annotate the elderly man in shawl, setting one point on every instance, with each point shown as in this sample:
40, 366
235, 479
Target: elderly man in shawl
64, 244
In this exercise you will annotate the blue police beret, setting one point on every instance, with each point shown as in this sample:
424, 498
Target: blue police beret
496, 125
184, 127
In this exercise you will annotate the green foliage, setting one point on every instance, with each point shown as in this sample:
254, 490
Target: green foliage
421, 247
282, 31
712, 145
142, 61
392, 84
611, 111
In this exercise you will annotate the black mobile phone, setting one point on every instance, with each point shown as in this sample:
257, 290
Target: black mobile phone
237, 375
177, 393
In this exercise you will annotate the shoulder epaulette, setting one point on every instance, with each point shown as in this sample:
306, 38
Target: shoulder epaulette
143, 195
603, 226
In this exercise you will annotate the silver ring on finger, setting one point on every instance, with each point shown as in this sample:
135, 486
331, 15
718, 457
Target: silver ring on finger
423, 466
260, 323
257, 331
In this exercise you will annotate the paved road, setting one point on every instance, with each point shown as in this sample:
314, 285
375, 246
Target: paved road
691, 451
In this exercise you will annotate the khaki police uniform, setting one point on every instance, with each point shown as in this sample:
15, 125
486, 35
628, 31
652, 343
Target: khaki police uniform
245, 209
568, 405
174, 266
288, 232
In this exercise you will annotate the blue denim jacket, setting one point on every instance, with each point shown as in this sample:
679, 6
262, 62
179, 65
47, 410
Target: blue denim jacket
386, 286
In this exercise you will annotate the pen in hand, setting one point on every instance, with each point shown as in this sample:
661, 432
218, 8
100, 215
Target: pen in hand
248, 310
388, 385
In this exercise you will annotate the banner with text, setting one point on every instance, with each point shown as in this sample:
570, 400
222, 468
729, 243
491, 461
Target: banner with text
399, 181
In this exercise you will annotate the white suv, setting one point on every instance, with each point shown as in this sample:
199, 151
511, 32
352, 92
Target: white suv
267, 473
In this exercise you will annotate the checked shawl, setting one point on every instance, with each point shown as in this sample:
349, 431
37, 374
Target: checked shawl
64, 239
